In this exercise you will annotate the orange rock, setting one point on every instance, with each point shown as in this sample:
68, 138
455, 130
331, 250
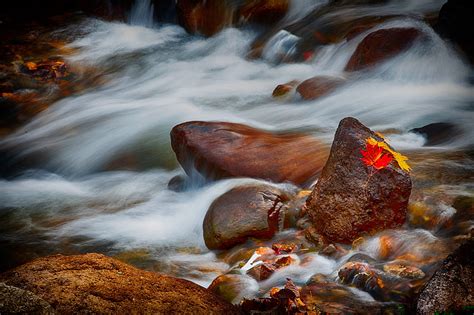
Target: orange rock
94, 283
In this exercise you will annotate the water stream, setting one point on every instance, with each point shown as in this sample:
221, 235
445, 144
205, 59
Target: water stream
159, 76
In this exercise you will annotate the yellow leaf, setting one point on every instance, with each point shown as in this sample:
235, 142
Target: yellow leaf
400, 158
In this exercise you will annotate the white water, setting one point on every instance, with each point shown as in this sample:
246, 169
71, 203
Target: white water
159, 77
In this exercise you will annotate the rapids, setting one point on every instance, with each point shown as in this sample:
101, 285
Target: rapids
157, 76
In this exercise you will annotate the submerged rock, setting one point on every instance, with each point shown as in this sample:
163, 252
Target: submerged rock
221, 150
318, 86
450, 288
438, 133
381, 45
234, 287
17, 301
94, 283
243, 212
285, 89
352, 198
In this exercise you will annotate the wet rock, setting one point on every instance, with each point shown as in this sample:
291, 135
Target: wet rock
204, 17
380, 285
404, 271
94, 283
450, 288
17, 301
455, 23
438, 133
381, 45
322, 296
285, 89
243, 212
264, 11
208, 17
177, 183
221, 150
262, 271
352, 198
234, 287
318, 86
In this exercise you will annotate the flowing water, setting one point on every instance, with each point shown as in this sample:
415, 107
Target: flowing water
71, 200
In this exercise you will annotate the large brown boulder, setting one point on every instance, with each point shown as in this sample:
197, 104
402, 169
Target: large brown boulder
17, 301
381, 45
96, 284
352, 198
243, 212
318, 86
221, 150
450, 288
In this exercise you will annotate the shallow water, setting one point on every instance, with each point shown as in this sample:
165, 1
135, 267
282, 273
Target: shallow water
159, 76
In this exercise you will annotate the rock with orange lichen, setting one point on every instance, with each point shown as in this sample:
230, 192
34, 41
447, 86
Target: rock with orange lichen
94, 283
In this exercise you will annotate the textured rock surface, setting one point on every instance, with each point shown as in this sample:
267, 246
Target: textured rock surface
318, 86
220, 149
17, 301
381, 45
243, 212
351, 198
450, 288
94, 283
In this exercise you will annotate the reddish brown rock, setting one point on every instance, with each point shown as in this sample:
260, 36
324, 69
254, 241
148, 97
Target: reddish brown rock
204, 17
243, 212
234, 287
351, 198
318, 86
264, 11
221, 150
381, 45
96, 284
285, 89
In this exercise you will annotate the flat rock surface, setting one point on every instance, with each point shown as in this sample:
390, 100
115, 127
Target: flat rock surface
94, 283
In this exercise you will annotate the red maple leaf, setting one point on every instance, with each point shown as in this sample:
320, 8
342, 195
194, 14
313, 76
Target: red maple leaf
374, 155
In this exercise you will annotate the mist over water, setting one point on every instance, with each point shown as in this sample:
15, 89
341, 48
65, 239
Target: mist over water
159, 76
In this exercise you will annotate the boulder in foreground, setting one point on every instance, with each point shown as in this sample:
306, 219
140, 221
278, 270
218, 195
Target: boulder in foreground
243, 212
352, 198
450, 288
222, 150
96, 284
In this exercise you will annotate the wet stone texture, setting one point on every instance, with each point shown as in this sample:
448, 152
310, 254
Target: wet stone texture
222, 150
351, 198
381, 45
243, 212
96, 284
451, 287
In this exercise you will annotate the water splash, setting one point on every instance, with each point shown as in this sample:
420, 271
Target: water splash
142, 13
